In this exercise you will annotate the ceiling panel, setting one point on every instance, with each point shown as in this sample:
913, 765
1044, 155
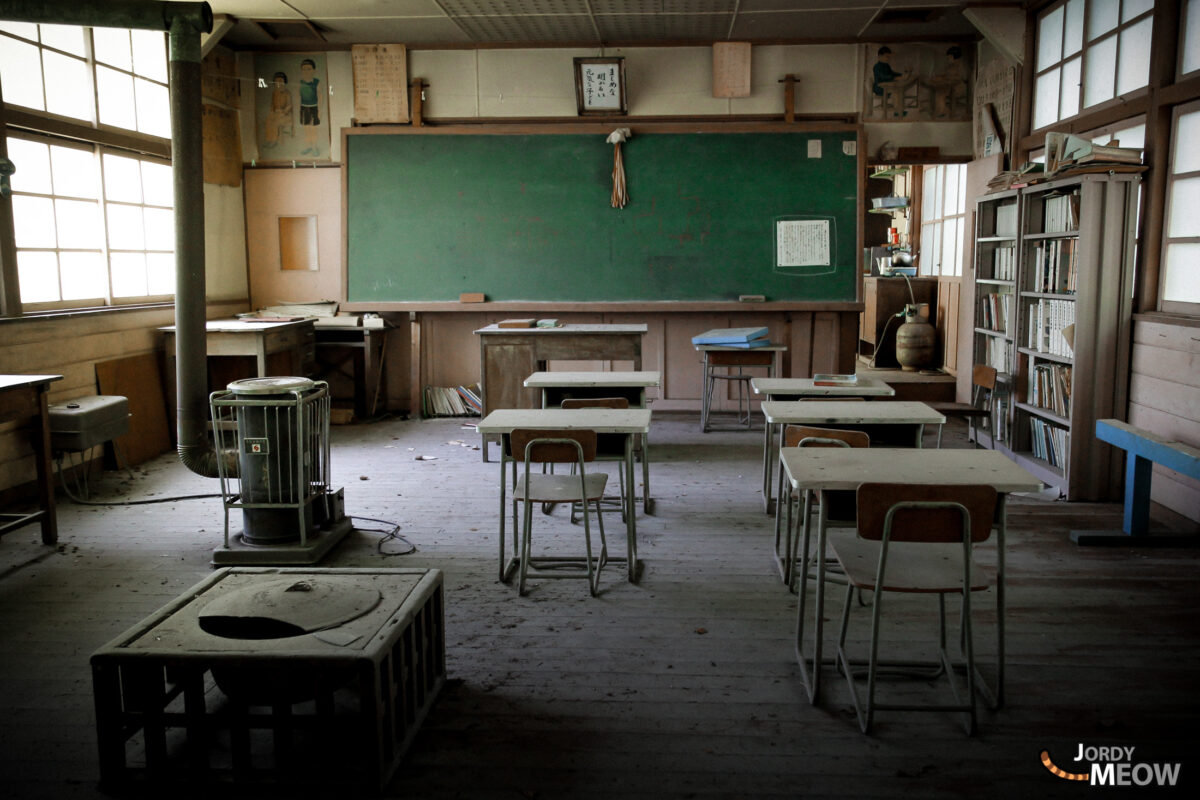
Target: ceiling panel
412, 31
821, 25
341, 9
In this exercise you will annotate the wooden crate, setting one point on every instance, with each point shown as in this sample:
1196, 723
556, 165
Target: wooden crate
176, 704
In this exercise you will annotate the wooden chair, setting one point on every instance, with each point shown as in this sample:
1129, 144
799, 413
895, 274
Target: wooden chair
575, 447
839, 505
915, 538
983, 382
609, 447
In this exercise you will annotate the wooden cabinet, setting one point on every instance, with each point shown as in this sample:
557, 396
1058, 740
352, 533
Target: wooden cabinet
882, 299
1059, 322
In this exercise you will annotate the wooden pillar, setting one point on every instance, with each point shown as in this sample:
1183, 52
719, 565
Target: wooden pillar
416, 101
789, 97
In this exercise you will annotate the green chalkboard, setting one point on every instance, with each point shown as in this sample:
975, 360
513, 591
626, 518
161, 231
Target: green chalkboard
529, 217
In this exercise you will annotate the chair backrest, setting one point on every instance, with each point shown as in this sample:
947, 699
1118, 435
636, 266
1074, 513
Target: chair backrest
807, 436
936, 517
984, 377
595, 402
553, 446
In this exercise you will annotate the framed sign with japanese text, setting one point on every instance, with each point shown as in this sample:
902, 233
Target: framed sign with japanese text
600, 85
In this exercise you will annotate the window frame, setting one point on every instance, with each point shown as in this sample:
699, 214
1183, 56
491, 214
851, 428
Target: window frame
938, 221
1082, 56
87, 133
1175, 306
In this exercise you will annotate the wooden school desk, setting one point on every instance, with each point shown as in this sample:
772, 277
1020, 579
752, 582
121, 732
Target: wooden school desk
631, 422
235, 337
716, 355
23, 399
558, 386
357, 352
799, 389
509, 355
834, 468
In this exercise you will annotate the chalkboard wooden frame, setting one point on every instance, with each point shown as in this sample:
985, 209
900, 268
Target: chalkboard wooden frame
846, 300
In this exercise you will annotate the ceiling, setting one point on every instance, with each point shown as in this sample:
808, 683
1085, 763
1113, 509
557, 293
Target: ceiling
336, 24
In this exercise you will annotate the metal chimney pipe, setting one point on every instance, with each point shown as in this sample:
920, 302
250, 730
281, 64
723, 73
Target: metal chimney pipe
184, 22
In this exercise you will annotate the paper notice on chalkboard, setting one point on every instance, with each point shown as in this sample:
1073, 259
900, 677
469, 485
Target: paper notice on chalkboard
802, 243
380, 82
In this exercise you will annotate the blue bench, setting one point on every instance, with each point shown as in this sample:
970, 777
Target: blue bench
1143, 450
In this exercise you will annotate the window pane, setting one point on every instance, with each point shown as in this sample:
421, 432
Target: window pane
1182, 282
1103, 17
1099, 73
1133, 8
949, 247
74, 172
83, 276
27, 30
68, 90
64, 37
125, 231
115, 91
38, 275
1133, 136
157, 184
1069, 104
1045, 107
33, 221
932, 247
962, 190
953, 202
111, 46
128, 274
1187, 133
21, 74
150, 54
930, 180
1049, 39
1191, 37
78, 224
32, 160
153, 108
1133, 70
122, 180
1185, 208
1073, 37
160, 229
160, 273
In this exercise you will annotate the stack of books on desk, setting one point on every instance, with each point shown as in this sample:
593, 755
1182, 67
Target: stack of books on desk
734, 337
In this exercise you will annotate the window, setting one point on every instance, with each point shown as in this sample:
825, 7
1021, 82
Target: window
1189, 45
93, 222
1087, 53
943, 219
1180, 289
93, 226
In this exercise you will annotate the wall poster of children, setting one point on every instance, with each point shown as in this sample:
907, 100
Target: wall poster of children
917, 82
291, 102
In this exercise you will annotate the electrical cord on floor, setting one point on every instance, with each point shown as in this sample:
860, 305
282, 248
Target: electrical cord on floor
392, 534
82, 489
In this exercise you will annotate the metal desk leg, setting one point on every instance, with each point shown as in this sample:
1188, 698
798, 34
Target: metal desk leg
647, 503
630, 509
811, 673
706, 388
768, 463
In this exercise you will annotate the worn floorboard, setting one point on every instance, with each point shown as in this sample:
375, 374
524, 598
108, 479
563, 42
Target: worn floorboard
681, 686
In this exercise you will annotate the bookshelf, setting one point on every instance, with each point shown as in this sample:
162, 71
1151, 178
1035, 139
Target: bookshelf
995, 274
1053, 282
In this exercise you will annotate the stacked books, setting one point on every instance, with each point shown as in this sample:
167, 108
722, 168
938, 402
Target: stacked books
452, 401
734, 337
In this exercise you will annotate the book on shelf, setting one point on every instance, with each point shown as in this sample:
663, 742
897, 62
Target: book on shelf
1050, 388
1048, 442
452, 401
730, 336
831, 379
994, 311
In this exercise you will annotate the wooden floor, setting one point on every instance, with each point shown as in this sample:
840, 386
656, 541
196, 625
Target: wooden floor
681, 686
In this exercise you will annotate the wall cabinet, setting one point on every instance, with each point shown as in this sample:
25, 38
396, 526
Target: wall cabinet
1053, 299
